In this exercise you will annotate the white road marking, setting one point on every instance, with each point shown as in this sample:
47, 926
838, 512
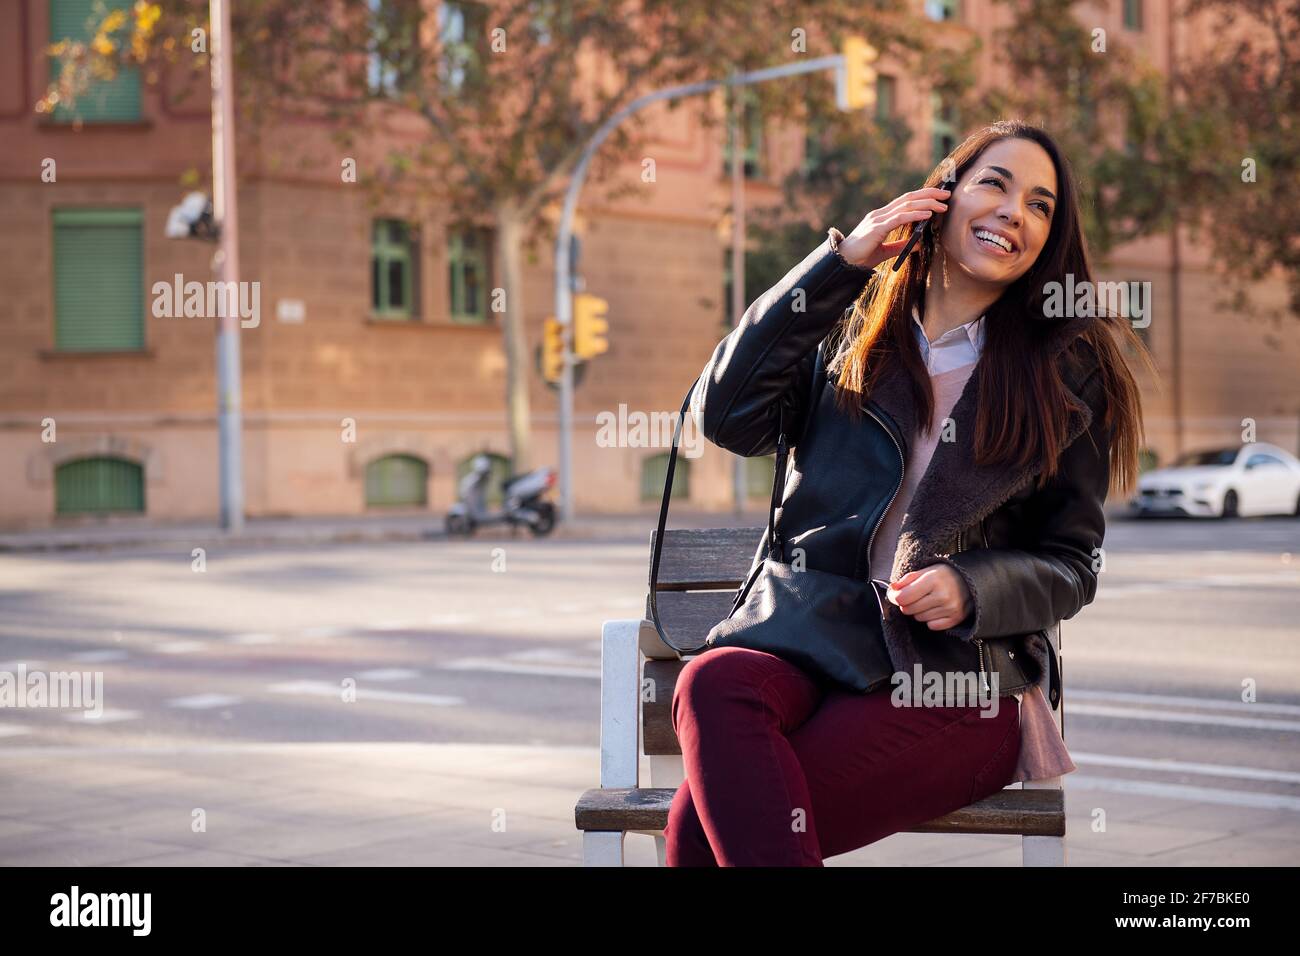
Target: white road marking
321, 632
107, 717
203, 701
503, 665
1183, 766
14, 730
1176, 791
392, 626
572, 608
1266, 579
1181, 717
389, 673
253, 638
320, 688
179, 647
449, 620
100, 657
1209, 703
551, 654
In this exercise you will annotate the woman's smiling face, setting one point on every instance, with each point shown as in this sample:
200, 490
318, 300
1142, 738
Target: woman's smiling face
1000, 212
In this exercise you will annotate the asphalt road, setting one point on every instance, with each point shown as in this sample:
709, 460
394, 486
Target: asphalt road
497, 640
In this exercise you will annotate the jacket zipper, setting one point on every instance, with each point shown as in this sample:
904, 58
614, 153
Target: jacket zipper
902, 465
977, 641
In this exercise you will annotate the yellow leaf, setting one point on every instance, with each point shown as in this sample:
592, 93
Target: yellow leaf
113, 22
146, 16
103, 45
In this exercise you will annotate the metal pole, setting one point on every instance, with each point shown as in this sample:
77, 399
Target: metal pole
225, 209
1175, 264
737, 258
563, 292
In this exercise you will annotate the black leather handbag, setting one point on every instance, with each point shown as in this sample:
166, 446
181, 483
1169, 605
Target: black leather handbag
826, 624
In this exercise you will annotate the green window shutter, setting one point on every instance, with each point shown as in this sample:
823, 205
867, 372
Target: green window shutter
753, 123
109, 101
98, 279
886, 92
467, 281
397, 480
1133, 14
943, 130
654, 472
98, 485
392, 270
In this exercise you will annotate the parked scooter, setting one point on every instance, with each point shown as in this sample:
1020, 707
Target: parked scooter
522, 501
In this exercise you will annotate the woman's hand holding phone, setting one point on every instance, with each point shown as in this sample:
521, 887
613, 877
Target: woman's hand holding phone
866, 246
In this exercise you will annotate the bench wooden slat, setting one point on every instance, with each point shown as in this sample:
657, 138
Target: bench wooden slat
688, 616
1008, 812
658, 739
708, 558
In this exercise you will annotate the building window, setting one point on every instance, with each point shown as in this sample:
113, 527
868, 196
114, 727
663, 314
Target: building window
106, 101
498, 471
1078, 86
752, 124
943, 128
942, 9
393, 45
1132, 14
394, 258
397, 481
759, 475
1144, 336
469, 256
654, 471
98, 280
462, 31
98, 486
886, 96
1142, 332
815, 134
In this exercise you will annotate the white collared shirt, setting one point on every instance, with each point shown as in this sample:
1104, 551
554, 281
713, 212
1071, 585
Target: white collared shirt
955, 348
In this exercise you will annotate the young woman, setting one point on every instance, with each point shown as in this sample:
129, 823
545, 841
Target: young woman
949, 434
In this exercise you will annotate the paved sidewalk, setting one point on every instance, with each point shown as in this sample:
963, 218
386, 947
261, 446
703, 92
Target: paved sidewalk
363, 528
136, 533
481, 805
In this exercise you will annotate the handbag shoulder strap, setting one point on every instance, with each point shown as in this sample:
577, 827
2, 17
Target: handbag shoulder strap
656, 551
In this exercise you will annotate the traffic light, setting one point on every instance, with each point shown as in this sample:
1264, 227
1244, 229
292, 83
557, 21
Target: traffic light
857, 78
589, 326
552, 349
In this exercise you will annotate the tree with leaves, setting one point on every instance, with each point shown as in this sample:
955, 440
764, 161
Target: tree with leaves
507, 94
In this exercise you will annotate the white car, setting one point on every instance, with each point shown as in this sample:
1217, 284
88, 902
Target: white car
1255, 479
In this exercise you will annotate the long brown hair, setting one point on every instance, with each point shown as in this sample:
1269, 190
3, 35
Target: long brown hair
1023, 403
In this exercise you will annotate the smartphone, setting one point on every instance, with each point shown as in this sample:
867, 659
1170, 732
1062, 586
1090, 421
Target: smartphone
919, 228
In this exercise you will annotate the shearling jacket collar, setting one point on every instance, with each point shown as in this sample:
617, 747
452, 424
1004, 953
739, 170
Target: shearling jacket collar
954, 493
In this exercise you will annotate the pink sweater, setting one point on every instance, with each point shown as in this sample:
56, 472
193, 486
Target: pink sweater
1042, 750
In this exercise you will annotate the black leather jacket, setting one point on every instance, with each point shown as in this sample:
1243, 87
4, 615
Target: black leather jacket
1029, 555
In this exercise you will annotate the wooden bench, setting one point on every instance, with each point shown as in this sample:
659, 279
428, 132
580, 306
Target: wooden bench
698, 575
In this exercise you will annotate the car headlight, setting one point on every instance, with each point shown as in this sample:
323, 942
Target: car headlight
1201, 487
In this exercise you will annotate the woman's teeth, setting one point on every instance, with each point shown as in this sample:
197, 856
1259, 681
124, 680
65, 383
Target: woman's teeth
992, 239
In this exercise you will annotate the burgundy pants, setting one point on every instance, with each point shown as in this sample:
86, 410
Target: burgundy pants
782, 770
